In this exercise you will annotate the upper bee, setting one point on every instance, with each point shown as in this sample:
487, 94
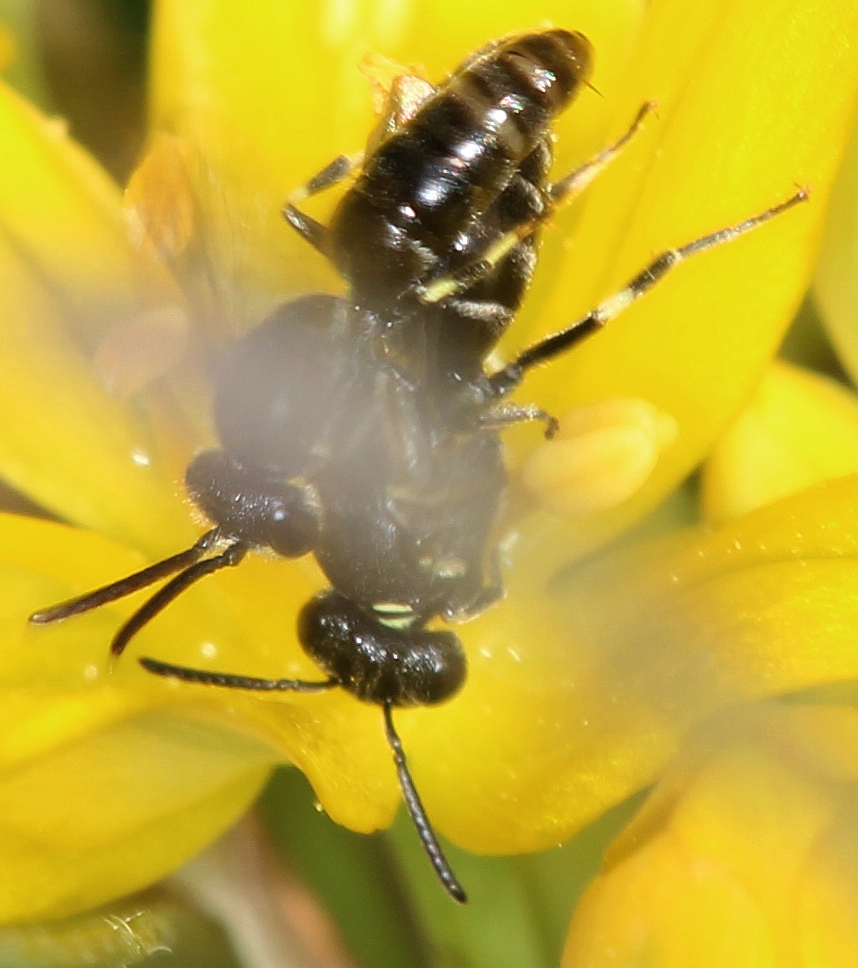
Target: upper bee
425, 187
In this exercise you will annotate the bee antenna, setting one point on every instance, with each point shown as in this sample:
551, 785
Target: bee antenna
128, 585
418, 814
171, 591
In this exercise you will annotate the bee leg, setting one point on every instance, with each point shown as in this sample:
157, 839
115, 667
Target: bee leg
560, 193
571, 185
503, 415
308, 228
546, 349
491, 593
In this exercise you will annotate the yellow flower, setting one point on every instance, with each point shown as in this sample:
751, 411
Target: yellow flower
109, 781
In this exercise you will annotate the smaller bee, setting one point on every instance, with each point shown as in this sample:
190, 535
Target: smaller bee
364, 429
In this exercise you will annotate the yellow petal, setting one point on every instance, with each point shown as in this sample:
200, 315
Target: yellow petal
836, 281
101, 790
60, 211
727, 144
744, 855
64, 443
800, 428
69, 274
117, 810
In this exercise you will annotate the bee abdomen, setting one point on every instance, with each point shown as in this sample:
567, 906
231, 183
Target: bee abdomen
515, 91
441, 171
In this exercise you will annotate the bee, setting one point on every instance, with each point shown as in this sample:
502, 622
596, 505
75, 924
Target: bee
365, 429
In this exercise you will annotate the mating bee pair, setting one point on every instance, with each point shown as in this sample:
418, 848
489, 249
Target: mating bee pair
365, 429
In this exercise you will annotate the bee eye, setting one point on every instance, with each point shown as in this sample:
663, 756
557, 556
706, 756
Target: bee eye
292, 532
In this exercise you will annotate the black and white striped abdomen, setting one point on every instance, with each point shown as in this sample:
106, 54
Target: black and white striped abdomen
437, 175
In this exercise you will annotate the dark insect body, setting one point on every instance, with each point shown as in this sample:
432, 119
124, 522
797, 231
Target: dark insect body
471, 166
364, 429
